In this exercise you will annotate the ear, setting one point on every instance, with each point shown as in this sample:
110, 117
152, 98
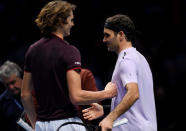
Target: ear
121, 35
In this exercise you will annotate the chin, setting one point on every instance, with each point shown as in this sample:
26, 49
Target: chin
111, 49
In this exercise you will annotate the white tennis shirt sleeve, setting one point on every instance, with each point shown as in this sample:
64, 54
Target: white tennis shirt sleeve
127, 72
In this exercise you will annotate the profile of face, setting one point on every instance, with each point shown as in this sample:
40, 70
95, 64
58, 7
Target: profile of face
13, 83
67, 27
111, 40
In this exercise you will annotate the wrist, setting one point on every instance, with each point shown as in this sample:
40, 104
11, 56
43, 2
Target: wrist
112, 117
107, 94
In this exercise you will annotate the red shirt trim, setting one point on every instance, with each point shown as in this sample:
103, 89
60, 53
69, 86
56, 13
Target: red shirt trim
74, 68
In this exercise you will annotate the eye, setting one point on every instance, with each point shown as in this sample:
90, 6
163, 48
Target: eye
12, 82
106, 35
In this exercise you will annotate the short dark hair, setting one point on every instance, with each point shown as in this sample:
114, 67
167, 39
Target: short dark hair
123, 23
52, 14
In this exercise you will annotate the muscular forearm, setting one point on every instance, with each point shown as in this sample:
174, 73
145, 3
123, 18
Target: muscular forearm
127, 101
29, 108
84, 97
26, 97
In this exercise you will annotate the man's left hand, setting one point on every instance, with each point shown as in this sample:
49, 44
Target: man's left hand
106, 124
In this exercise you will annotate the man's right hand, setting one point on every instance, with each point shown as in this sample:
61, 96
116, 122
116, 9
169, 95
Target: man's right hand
111, 88
93, 112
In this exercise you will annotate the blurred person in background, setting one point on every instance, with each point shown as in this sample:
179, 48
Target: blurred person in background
10, 102
2, 87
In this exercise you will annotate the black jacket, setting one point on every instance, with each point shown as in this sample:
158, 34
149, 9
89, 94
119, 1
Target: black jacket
10, 111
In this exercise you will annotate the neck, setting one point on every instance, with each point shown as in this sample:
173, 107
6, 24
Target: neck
60, 35
124, 46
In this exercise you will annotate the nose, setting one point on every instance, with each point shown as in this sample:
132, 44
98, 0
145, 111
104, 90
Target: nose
104, 40
72, 23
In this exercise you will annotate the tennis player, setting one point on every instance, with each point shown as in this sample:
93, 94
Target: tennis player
133, 77
52, 68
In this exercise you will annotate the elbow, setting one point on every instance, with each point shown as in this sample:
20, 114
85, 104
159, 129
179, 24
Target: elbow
75, 100
136, 96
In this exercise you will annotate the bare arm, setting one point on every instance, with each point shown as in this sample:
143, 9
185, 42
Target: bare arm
83, 97
128, 100
26, 96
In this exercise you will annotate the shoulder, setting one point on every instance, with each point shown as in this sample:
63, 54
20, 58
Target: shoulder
126, 59
71, 51
33, 46
71, 56
127, 63
72, 48
129, 55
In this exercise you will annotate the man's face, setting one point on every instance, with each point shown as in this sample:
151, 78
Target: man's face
111, 40
14, 84
67, 27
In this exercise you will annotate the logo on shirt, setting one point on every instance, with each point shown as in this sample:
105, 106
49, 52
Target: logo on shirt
78, 63
124, 55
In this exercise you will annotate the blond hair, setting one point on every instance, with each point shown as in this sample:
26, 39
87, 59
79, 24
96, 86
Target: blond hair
52, 15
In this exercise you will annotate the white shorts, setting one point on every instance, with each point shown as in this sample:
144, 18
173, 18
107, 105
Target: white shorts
53, 125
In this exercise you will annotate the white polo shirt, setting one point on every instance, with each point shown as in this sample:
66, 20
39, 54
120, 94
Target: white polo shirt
131, 66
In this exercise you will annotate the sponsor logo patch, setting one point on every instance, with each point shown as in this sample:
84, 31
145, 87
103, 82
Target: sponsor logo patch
78, 63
